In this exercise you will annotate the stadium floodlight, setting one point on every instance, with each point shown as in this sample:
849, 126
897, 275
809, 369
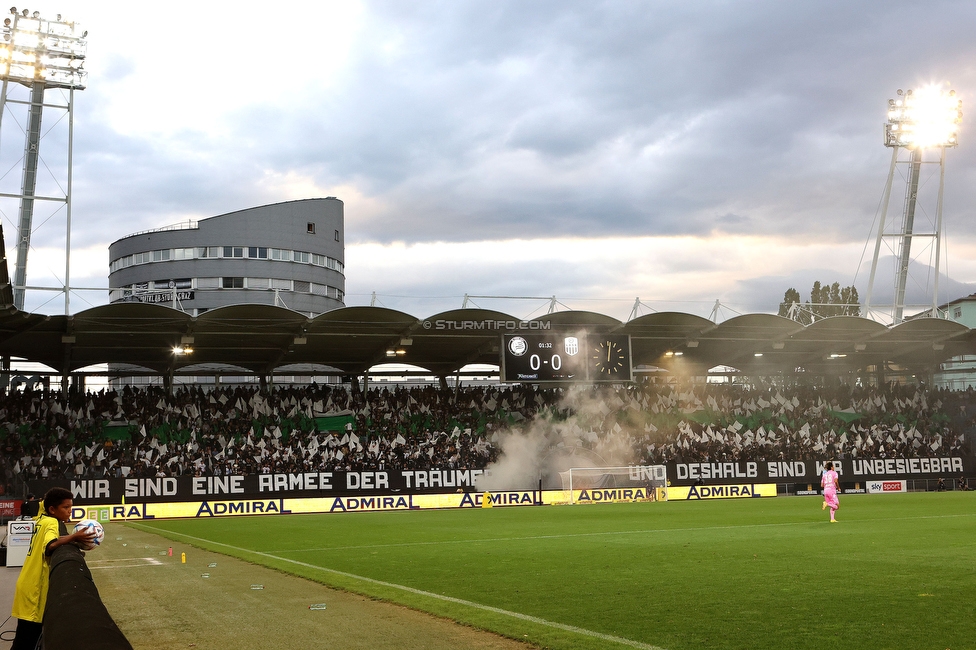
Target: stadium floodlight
35, 49
927, 119
40, 54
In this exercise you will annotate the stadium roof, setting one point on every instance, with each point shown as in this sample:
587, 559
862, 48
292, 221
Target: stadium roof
351, 340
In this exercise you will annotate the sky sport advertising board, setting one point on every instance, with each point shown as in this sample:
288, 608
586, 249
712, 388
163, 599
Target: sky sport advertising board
887, 487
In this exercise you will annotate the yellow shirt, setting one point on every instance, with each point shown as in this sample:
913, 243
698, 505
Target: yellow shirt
31, 594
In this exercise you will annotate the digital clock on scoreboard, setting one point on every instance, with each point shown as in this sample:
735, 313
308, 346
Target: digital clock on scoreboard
564, 358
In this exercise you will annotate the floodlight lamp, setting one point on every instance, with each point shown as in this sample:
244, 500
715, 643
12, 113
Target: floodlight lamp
927, 118
48, 51
757, 354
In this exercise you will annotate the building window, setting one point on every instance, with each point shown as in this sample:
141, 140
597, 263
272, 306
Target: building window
302, 256
302, 286
957, 312
208, 251
233, 251
337, 235
310, 228
257, 252
233, 283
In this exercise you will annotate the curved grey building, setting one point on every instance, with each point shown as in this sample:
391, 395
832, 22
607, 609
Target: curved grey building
287, 254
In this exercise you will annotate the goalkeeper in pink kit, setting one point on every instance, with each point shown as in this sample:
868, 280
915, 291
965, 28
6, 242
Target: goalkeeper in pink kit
830, 484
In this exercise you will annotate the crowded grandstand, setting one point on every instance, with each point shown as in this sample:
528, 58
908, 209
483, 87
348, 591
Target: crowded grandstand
146, 432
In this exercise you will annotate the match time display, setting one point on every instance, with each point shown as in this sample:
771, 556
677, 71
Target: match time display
565, 358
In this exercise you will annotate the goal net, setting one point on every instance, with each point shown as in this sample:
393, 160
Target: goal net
626, 483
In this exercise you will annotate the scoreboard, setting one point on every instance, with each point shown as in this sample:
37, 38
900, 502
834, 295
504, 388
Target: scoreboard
554, 357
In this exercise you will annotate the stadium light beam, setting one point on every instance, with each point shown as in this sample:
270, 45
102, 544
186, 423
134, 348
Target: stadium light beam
40, 53
926, 119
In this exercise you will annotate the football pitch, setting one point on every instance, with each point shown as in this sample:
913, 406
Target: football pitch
897, 571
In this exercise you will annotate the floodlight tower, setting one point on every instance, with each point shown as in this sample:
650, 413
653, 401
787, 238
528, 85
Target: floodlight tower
40, 54
926, 120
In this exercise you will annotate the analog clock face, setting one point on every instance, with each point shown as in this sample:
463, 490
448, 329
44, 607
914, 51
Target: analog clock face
609, 359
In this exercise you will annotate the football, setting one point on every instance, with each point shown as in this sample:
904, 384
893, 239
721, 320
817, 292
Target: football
91, 524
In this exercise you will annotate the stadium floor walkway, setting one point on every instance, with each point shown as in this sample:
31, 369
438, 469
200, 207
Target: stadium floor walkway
8, 580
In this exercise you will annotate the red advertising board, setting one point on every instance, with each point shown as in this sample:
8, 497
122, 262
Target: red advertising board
10, 508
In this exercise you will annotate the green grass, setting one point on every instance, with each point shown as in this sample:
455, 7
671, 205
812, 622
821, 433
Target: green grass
898, 571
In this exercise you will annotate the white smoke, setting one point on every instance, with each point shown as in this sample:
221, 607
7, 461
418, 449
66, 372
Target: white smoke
598, 432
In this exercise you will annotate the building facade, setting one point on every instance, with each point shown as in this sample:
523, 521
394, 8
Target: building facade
958, 373
287, 254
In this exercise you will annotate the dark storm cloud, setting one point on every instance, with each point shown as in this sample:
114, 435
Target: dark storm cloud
488, 120
472, 119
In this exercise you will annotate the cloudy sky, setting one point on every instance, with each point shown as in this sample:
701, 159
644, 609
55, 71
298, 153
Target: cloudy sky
680, 152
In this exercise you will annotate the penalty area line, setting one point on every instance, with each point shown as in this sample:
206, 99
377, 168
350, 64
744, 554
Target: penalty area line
420, 592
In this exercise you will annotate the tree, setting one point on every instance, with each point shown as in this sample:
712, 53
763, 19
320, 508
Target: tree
825, 301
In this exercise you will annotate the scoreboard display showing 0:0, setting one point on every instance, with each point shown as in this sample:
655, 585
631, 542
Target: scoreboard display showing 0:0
542, 357
565, 358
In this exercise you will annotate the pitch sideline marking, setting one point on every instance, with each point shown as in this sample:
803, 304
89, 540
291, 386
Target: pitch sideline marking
596, 534
420, 592
112, 564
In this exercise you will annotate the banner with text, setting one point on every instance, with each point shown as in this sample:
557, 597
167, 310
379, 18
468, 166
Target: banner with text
809, 470
434, 481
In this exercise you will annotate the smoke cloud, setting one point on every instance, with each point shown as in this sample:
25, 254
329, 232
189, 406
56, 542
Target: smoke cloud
589, 427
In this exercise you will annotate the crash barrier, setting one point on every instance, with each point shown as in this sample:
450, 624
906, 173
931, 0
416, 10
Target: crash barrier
74, 616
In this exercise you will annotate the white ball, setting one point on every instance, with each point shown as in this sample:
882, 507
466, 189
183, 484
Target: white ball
91, 524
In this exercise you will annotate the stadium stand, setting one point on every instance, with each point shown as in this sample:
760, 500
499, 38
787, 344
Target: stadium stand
148, 433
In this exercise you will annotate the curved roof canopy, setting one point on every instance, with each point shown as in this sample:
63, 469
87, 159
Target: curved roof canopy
351, 340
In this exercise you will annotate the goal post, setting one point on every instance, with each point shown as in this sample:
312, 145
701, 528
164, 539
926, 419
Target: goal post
623, 483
